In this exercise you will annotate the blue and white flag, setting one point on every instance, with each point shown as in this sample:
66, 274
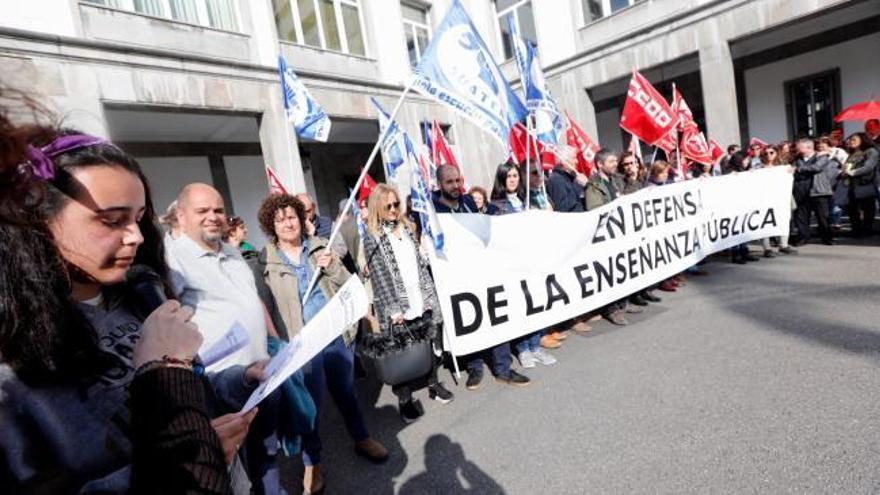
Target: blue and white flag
458, 70
356, 213
392, 146
549, 122
309, 119
421, 201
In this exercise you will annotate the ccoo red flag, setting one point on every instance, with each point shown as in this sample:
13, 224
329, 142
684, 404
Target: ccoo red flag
586, 148
275, 185
645, 113
366, 189
694, 146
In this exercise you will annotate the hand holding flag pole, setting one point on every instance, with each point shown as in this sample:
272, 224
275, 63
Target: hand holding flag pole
366, 168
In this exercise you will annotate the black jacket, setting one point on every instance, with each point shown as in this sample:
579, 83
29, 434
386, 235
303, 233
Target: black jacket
565, 193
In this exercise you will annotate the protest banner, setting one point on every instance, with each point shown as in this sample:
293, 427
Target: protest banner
344, 309
506, 276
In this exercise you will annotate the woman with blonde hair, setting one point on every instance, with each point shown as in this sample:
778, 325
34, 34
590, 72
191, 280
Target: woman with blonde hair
404, 298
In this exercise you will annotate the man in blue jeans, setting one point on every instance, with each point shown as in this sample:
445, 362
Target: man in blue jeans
451, 199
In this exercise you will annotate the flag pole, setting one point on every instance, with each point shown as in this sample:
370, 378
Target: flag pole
677, 138
654, 156
287, 126
528, 161
338, 223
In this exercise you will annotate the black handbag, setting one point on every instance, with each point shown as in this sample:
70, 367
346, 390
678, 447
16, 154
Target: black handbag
409, 362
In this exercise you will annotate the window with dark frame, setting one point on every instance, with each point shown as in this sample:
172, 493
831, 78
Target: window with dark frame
811, 103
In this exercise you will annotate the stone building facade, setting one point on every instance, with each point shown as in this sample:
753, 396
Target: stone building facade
191, 87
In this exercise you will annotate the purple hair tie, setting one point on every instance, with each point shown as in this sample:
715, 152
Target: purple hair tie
40, 159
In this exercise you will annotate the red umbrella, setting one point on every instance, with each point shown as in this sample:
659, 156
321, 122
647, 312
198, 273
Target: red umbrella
865, 110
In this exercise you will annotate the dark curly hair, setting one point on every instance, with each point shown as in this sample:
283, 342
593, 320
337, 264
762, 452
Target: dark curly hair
272, 205
44, 336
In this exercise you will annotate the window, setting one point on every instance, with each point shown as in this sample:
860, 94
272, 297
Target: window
446, 129
329, 24
417, 31
811, 103
219, 14
523, 17
593, 10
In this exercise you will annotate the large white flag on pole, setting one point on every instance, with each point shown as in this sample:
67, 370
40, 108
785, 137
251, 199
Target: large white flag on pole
458, 70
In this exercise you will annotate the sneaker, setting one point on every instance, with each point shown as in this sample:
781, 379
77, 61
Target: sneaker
751, 257
439, 393
372, 450
788, 250
650, 297
739, 260
527, 359
544, 358
634, 310
638, 300
617, 318
769, 254
410, 411
513, 378
474, 380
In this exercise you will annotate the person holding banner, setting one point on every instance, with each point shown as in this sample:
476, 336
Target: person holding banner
508, 195
449, 199
283, 270
566, 185
602, 189
404, 298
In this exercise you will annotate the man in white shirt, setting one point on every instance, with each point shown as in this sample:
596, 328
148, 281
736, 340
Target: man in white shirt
213, 279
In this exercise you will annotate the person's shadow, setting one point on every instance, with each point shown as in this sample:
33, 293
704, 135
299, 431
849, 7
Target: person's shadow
448, 471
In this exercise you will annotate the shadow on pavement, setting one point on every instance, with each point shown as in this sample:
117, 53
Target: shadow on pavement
448, 471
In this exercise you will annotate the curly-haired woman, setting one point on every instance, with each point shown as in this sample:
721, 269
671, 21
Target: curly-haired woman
283, 272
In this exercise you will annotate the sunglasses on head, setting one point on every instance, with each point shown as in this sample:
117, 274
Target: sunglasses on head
395, 205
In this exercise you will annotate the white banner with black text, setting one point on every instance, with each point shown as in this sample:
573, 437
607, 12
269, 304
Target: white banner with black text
508, 276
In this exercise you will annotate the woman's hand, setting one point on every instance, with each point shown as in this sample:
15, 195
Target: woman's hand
324, 259
168, 332
397, 319
232, 430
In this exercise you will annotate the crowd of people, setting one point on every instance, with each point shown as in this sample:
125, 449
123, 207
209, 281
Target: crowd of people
101, 386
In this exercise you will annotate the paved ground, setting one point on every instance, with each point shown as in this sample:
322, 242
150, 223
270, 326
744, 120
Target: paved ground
756, 379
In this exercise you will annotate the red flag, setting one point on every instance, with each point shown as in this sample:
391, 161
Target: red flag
715, 150
669, 142
683, 111
517, 140
275, 185
366, 189
586, 148
442, 154
635, 148
645, 113
757, 141
694, 146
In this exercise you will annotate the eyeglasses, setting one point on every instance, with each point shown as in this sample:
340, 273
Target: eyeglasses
395, 205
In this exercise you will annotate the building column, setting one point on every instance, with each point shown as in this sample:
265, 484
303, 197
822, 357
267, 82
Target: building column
282, 156
719, 94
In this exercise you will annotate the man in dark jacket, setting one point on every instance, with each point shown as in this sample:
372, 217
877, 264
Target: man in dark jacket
813, 188
451, 199
602, 189
565, 187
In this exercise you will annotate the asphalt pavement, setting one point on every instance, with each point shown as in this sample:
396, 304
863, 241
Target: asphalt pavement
760, 378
